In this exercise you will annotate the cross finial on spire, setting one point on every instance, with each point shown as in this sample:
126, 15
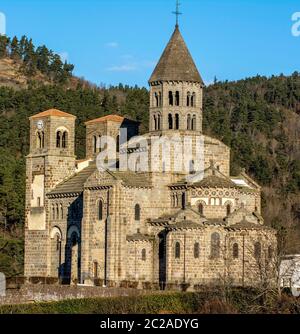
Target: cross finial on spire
177, 12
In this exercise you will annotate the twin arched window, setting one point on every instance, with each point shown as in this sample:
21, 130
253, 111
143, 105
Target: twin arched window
61, 139
191, 100
57, 211
171, 98
215, 246
191, 122
157, 122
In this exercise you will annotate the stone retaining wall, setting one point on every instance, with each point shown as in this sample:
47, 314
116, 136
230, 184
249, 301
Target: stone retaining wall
46, 293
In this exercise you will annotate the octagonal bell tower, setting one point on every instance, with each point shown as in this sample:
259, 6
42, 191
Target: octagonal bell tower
176, 90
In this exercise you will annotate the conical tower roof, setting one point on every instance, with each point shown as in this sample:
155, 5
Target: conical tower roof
176, 62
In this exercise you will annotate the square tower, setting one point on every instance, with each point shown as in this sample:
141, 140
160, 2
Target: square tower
50, 161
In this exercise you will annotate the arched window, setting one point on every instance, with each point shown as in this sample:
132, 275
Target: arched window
194, 123
171, 99
95, 144
196, 250
177, 121
100, 210
53, 212
58, 242
40, 139
98, 144
201, 209
176, 200
95, 269
177, 98
65, 139
143, 254
192, 167
118, 144
170, 121
188, 99
61, 211
215, 245
183, 201
257, 250
58, 139
155, 122
228, 209
156, 100
177, 250
235, 251
160, 99
158, 122
57, 211
189, 122
193, 100
137, 212
270, 252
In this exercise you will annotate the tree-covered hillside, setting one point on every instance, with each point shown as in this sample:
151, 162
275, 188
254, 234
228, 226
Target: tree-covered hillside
257, 117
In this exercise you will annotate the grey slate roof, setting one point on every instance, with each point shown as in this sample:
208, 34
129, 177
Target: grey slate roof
185, 224
176, 62
75, 183
215, 181
246, 225
139, 237
132, 179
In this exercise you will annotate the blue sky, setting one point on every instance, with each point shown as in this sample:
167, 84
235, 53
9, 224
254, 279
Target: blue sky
112, 41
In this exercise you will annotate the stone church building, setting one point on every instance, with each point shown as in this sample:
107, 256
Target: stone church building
161, 228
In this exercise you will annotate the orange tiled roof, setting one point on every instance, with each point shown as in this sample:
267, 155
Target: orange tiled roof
52, 112
112, 118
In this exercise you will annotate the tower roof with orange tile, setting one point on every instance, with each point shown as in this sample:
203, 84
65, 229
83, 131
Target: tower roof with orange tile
52, 112
109, 118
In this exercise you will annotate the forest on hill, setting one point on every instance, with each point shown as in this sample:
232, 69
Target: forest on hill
259, 118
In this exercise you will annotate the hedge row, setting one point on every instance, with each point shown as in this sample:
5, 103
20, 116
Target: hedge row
205, 302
